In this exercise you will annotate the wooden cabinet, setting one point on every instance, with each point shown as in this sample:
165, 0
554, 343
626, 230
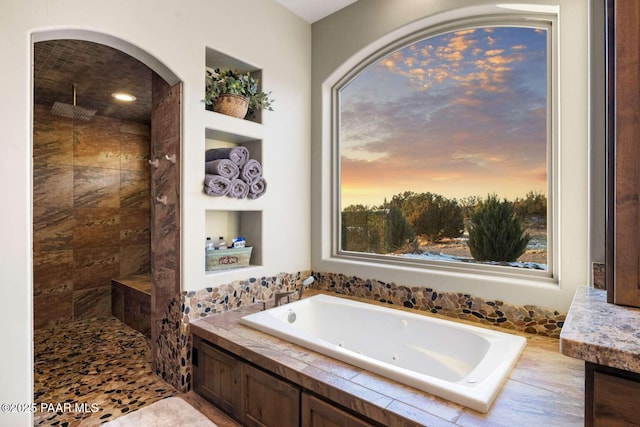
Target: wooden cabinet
268, 401
612, 397
216, 377
318, 413
256, 397
623, 152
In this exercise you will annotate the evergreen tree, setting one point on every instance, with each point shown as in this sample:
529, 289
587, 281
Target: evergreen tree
495, 232
399, 231
436, 217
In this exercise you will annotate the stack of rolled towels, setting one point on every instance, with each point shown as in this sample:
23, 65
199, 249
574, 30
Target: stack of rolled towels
230, 172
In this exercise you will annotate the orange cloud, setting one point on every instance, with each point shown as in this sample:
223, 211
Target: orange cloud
494, 52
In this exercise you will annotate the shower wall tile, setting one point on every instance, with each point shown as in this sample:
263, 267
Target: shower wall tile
52, 138
134, 149
52, 272
52, 308
134, 227
92, 302
96, 227
53, 186
134, 260
97, 143
52, 228
91, 213
134, 189
96, 188
95, 267
139, 129
164, 183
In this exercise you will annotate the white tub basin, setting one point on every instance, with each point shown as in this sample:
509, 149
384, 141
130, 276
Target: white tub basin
461, 363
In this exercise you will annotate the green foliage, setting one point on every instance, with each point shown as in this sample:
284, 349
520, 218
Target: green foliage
221, 82
431, 215
534, 204
399, 231
495, 232
374, 229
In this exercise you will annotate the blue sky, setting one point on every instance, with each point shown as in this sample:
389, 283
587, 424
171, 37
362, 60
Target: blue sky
459, 114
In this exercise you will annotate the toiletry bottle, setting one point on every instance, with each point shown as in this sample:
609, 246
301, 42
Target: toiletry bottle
221, 243
209, 245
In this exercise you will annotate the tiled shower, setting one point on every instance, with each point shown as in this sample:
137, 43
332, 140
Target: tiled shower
91, 212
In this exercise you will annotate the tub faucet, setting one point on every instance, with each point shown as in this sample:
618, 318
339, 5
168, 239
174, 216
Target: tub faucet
279, 295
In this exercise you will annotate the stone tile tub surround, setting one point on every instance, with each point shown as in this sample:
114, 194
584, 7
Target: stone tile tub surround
527, 318
544, 389
173, 345
174, 341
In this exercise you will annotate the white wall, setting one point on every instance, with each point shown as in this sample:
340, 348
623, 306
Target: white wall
259, 32
353, 30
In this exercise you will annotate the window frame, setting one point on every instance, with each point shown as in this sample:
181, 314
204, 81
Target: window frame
547, 21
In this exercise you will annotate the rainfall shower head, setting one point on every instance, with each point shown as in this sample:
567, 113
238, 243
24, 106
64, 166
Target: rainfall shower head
72, 111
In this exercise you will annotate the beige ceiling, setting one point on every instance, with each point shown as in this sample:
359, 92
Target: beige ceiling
98, 71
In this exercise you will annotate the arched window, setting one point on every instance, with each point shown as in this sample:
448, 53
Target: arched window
444, 149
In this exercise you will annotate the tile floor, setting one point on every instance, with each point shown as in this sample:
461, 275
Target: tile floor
97, 364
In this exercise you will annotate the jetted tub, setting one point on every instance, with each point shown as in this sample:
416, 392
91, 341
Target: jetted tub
461, 363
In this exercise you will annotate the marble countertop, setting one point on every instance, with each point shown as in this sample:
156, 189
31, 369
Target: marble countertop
602, 333
544, 388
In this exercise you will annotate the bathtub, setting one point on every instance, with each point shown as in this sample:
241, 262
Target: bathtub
457, 362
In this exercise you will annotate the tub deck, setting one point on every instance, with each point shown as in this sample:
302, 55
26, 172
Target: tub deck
544, 388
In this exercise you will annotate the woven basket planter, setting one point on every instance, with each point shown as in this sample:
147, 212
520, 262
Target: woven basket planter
232, 105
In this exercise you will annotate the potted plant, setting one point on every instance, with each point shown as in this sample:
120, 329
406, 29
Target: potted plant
235, 94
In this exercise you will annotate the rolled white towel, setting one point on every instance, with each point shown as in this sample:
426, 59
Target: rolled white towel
223, 167
251, 171
216, 185
257, 188
239, 189
238, 155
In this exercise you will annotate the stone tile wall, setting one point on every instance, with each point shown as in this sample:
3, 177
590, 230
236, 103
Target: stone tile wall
90, 212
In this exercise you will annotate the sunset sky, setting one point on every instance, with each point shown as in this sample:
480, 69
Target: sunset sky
460, 114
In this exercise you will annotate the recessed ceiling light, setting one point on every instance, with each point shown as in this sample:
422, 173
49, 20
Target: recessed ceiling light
121, 96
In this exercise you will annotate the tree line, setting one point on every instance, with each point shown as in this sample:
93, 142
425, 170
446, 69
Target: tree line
495, 227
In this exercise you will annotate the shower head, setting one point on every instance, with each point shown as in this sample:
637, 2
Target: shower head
72, 111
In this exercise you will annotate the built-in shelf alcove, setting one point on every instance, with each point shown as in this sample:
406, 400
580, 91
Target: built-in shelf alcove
236, 223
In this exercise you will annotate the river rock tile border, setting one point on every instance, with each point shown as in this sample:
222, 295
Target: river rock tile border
524, 318
174, 341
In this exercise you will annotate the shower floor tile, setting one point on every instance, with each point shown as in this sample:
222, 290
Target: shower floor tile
91, 371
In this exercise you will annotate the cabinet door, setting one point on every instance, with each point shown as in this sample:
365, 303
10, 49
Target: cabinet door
268, 401
318, 413
615, 401
217, 378
623, 222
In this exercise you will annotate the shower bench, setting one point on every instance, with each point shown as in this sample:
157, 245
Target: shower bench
131, 302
